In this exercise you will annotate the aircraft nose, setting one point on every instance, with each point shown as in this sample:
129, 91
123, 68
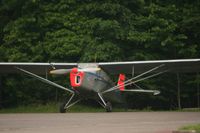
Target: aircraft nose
76, 77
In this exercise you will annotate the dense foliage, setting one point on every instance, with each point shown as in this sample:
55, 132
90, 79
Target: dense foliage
99, 30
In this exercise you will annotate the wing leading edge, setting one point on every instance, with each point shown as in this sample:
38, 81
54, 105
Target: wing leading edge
179, 65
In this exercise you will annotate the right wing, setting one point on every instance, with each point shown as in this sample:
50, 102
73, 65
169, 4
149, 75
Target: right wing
36, 68
45, 80
32, 69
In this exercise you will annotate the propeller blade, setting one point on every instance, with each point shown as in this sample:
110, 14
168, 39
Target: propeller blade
60, 71
89, 69
156, 92
66, 71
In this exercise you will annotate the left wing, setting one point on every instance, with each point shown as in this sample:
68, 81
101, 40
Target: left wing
144, 68
178, 65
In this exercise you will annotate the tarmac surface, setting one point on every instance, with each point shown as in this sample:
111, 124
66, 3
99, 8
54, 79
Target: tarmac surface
125, 122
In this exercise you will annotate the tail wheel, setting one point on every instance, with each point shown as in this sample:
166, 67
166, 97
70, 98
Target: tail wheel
108, 107
62, 108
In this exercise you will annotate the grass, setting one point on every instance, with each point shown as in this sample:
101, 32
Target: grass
191, 109
191, 127
48, 108
53, 108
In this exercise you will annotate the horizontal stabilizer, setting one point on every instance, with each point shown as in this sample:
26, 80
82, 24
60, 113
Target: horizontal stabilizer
155, 92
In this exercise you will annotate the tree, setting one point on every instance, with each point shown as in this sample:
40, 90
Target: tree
91, 30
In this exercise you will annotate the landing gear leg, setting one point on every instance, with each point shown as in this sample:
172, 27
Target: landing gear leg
64, 106
106, 105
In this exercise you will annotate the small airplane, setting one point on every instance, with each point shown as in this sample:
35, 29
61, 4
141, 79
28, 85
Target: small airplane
91, 80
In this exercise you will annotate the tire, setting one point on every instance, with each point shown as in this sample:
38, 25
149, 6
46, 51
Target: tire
108, 107
62, 109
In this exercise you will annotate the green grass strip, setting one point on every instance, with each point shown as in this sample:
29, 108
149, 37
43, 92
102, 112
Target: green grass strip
191, 127
54, 108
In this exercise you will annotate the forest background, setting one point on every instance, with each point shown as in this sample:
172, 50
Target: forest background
102, 31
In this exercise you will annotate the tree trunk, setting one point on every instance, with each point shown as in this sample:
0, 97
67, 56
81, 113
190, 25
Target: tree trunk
178, 91
198, 104
1, 87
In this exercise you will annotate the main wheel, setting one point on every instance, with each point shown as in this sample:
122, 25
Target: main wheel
62, 108
108, 107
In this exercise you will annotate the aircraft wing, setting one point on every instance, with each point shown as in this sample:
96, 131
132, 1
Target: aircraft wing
37, 68
178, 65
32, 69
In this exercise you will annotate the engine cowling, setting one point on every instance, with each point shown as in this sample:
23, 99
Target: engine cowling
76, 77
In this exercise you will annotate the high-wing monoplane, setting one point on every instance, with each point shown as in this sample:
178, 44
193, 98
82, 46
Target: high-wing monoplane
91, 80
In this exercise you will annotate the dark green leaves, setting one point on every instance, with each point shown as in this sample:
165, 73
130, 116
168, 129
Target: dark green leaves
92, 30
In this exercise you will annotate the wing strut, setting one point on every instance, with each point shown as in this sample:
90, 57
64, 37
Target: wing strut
45, 80
131, 81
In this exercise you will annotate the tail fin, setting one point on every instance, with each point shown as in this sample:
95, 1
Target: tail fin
121, 82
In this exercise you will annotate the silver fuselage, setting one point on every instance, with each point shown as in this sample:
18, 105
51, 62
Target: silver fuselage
96, 82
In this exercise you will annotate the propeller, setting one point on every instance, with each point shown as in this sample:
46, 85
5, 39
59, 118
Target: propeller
156, 92
60, 71
66, 71
89, 69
